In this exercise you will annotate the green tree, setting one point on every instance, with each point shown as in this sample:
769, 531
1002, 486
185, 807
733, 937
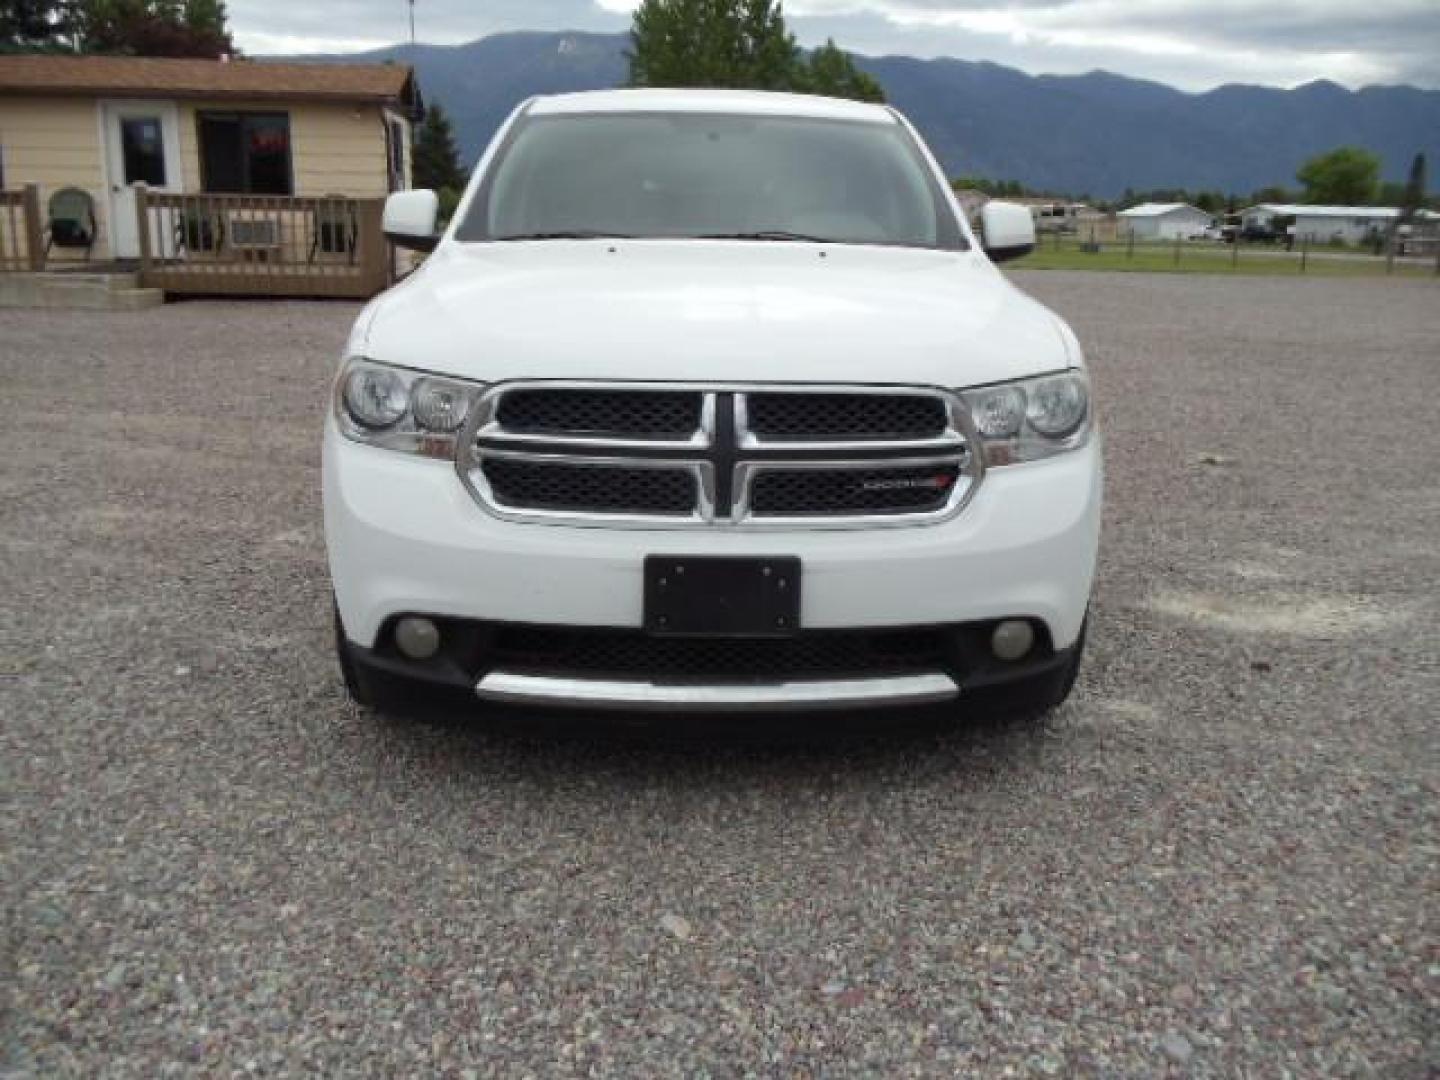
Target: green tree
1345, 176
193, 28
205, 17
37, 25
831, 72
1272, 194
436, 159
739, 43
735, 43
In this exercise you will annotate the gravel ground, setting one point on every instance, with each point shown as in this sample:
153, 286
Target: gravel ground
1219, 859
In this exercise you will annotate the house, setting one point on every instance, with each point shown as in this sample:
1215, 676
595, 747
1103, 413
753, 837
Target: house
1323, 224
220, 128
1163, 221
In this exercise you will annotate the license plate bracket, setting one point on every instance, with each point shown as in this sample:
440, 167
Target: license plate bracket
722, 596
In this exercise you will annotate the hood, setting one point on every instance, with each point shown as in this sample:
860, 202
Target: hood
714, 311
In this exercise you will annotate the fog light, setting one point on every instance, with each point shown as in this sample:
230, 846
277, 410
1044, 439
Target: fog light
417, 638
1012, 639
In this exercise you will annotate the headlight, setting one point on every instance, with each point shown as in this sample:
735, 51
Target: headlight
1031, 418
401, 409
441, 404
375, 397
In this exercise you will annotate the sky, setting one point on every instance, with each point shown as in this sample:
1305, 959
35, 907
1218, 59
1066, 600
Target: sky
1192, 44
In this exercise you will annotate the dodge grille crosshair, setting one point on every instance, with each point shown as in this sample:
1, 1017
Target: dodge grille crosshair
666, 454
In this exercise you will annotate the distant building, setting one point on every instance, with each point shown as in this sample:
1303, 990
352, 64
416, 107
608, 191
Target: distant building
1322, 224
1163, 221
1065, 217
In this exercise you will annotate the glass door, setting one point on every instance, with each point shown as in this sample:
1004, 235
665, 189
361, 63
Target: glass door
142, 146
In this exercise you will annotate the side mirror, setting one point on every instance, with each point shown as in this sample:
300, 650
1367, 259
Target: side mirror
1007, 230
409, 219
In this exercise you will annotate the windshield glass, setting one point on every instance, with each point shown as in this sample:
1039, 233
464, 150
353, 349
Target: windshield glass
710, 175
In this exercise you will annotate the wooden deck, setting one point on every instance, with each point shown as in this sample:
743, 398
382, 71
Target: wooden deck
22, 235
262, 245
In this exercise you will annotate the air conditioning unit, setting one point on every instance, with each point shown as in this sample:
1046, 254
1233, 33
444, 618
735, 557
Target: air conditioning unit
254, 233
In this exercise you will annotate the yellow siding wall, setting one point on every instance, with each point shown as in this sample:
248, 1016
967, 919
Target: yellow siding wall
334, 149
55, 143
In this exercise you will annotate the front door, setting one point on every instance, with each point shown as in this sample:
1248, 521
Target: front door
142, 146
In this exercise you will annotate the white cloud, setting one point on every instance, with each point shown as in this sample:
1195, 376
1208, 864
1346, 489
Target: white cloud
1188, 43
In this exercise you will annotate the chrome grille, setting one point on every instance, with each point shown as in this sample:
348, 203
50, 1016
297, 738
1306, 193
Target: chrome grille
670, 454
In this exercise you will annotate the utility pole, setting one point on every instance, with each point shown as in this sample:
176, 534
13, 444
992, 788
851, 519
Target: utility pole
412, 25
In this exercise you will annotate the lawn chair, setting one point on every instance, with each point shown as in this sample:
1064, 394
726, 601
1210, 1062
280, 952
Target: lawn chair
199, 231
71, 221
335, 228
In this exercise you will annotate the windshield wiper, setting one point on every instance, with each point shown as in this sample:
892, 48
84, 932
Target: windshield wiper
567, 234
768, 234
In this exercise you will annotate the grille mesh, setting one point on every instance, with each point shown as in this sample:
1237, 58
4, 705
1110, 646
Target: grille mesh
817, 654
599, 489
821, 492
601, 479
799, 416
633, 414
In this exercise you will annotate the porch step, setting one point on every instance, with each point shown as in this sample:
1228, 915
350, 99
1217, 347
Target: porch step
77, 292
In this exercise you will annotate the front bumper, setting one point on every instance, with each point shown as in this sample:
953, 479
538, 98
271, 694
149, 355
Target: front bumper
472, 669
404, 536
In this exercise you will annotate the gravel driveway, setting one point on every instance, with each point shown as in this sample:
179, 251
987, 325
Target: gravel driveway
1219, 859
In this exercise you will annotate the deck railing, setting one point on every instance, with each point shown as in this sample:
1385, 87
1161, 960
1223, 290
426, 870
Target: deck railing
262, 245
22, 230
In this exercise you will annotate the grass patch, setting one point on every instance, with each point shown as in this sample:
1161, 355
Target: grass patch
1214, 259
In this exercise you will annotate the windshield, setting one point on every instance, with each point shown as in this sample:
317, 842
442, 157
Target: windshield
709, 175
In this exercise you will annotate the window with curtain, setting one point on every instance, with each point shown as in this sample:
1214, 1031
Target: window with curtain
245, 153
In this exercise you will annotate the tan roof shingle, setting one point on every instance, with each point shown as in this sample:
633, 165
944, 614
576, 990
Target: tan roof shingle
134, 76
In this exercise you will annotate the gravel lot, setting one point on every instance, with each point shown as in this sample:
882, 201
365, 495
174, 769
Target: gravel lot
1219, 859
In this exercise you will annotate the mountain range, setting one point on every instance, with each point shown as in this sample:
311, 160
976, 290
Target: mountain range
1097, 133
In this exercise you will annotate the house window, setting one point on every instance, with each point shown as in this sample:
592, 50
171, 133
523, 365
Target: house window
245, 153
142, 147
397, 155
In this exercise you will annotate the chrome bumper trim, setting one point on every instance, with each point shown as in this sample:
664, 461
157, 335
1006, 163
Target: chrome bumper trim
551, 691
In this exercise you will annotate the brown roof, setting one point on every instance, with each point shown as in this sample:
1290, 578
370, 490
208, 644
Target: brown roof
132, 76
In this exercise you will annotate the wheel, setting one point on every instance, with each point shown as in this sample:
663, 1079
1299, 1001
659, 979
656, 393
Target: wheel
353, 687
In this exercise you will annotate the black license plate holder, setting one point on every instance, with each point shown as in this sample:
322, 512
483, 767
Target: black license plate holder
722, 596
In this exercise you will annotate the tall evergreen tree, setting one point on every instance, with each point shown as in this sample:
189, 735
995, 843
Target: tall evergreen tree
436, 160
831, 71
1414, 188
735, 43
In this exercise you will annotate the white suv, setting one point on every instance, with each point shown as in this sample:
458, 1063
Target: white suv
710, 400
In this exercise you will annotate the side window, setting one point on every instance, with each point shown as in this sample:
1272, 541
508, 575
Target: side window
399, 180
245, 153
142, 147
